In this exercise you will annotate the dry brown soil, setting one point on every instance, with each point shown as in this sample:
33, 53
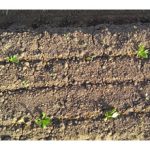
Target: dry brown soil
75, 75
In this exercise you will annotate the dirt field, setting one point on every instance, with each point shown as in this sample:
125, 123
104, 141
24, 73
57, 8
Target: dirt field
75, 75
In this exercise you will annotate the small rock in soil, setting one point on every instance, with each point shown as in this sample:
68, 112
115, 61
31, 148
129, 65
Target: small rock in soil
130, 110
24, 68
2, 100
22, 55
17, 130
9, 92
22, 137
27, 64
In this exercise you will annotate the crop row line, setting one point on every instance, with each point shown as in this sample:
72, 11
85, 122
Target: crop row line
75, 59
81, 85
94, 116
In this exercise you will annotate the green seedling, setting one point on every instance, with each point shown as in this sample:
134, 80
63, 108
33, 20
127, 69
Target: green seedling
89, 58
13, 59
43, 121
142, 52
25, 83
111, 114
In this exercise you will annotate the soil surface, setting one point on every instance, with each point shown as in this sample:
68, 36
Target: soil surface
75, 75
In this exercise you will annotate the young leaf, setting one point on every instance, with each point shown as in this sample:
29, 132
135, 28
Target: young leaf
115, 115
43, 115
44, 121
142, 52
111, 114
13, 59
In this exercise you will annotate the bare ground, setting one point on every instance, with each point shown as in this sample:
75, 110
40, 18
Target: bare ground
75, 75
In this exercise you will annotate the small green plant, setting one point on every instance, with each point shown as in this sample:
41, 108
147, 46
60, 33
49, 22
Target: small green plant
89, 58
142, 52
13, 59
111, 114
43, 121
25, 83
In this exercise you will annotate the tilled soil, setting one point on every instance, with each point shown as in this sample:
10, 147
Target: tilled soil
75, 75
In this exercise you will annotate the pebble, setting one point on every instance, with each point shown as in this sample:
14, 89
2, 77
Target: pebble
139, 66
22, 55
135, 27
2, 66
4, 128
27, 64
141, 89
28, 114
5, 102
87, 82
135, 83
17, 130
147, 96
66, 65
9, 92
140, 108
130, 110
24, 68
110, 134
104, 67
2, 100
22, 137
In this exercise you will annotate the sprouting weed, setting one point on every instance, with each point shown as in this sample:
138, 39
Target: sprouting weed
25, 83
13, 59
89, 58
142, 52
43, 121
111, 114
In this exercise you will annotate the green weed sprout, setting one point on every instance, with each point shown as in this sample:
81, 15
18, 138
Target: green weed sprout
89, 58
25, 83
44, 121
142, 52
13, 59
111, 114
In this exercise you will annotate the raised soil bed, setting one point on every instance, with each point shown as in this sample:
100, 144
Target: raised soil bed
72, 88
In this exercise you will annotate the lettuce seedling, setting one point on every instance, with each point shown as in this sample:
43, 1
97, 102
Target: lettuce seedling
111, 114
142, 52
44, 121
13, 59
25, 84
90, 58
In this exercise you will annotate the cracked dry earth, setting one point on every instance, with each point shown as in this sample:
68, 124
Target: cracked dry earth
75, 75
